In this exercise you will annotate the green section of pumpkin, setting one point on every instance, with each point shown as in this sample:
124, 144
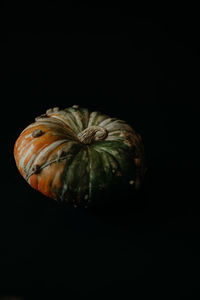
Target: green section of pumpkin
101, 165
76, 178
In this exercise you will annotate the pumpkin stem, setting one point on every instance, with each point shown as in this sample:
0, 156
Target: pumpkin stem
91, 134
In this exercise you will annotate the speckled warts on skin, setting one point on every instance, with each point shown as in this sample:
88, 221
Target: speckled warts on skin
36, 133
35, 169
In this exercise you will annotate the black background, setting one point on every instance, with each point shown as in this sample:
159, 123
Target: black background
140, 64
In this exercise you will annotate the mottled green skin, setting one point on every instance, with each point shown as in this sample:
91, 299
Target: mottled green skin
97, 168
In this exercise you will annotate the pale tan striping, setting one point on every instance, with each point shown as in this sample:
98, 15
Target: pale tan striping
42, 154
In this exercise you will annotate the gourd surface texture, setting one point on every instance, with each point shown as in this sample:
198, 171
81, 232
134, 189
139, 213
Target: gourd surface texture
74, 155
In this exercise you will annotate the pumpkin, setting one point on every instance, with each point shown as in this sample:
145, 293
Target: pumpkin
73, 155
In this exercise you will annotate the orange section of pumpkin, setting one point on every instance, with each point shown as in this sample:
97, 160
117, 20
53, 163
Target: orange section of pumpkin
37, 144
49, 182
34, 181
49, 179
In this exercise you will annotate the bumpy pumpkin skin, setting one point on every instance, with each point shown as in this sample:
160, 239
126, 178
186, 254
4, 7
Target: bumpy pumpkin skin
72, 155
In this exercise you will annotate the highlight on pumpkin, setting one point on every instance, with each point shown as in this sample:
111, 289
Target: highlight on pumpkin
73, 155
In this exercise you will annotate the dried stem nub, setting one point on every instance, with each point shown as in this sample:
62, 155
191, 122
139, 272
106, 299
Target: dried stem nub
91, 134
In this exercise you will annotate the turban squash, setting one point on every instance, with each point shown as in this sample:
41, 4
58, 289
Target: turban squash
74, 155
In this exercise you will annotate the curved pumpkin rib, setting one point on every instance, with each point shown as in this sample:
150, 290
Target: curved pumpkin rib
92, 117
77, 182
110, 158
113, 172
66, 187
90, 167
56, 182
66, 126
118, 152
85, 116
47, 129
97, 118
26, 156
49, 169
71, 117
116, 168
53, 121
48, 180
51, 161
29, 161
124, 174
49, 125
34, 146
115, 138
118, 133
30, 148
19, 150
77, 117
58, 127
109, 166
24, 151
64, 116
107, 121
43, 155
118, 125
23, 140
97, 173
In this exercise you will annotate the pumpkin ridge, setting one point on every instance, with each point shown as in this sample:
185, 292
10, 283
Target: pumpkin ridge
64, 160
96, 119
77, 117
97, 173
111, 168
65, 117
92, 116
51, 124
105, 153
73, 118
90, 169
123, 168
49, 163
85, 116
65, 187
36, 143
24, 149
44, 152
111, 155
77, 182
107, 121
31, 162
118, 125
118, 146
